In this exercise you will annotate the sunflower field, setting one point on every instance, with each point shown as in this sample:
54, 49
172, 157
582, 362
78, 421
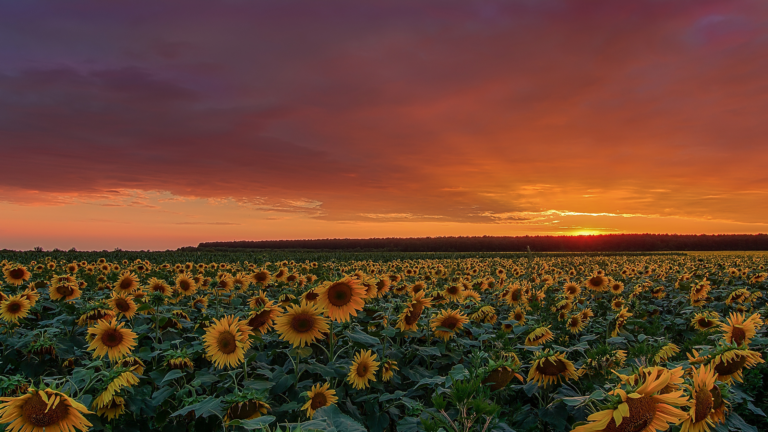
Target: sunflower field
300, 341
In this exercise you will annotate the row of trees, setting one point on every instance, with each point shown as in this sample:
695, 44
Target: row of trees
596, 243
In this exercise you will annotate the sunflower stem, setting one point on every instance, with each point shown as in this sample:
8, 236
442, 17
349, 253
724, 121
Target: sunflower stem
330, 340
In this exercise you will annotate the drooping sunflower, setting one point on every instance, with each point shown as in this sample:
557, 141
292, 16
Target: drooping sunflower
123, 304
31, 295
665, 353
702, 402
319, 396
64, 291
111, 339
226, 341
14, 308
549, 367
500, 375
40, 410
16, 274
341, 298
729, 362
126, 283
539, 336
705, 320
246, 410
119, 379
388, 369
621, 320
382, 286
302, 325
740, 330
113, 410
639, 408
185, 284
453, 320
409, 318
263, 318
200, 302
363, 369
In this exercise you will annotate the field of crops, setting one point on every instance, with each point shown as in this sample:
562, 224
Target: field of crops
125, 341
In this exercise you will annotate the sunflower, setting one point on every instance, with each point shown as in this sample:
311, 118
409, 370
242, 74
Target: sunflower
575, 324
388, 369
518, 315
452, 320
123, 304
113, 410
571, 290
363, 369
121, 379
454, 292
382, 286
302, 325
310, 297
200, 302
31, 295
185, 284
617, 303
134, 364
597, 283
14, 308
111, 339
539, 336
500, 376
549, 367
258, 301
263, 318
226, 341
64, 291
319, 396
639, 408
515, 295
616, 287
705, 320
665, 352
127, 283
702, 402
246, 410
261, 277
729, 362
621, 320
409, 318
740, 330
40, 410
341, 298
157, 285
16, 274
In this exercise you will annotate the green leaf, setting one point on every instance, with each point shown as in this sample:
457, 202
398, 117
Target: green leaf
257, 423
334, 418
208, 406
363, 338
172, 375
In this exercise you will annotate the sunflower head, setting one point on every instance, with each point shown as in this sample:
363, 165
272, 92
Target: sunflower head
320, 395
108, 338
342, 298
227, 340
363, 369
548, 368
302, 325
43, 409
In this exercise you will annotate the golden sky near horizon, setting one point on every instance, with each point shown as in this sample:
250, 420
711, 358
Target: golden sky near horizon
152, 127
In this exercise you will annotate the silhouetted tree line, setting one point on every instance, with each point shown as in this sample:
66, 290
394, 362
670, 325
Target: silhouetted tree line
596, 243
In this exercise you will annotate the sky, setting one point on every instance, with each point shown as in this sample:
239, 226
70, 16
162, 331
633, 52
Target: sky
156, 125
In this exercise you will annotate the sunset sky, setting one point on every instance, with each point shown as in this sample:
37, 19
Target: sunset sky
154, 125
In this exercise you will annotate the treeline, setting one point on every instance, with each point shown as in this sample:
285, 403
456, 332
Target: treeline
596, 243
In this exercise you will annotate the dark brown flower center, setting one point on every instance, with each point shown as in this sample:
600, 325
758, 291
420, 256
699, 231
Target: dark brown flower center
551, 367
260, 319
112, 338
339, 294
730, 368
35, 412
17, 273
126, 283
14, 307
122, 305
738, 334
303, 323
318, 401
184, 285
64, 290
450, 322
226, 342
245, 410
704, 403
596, 281
362, 370
641, 413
